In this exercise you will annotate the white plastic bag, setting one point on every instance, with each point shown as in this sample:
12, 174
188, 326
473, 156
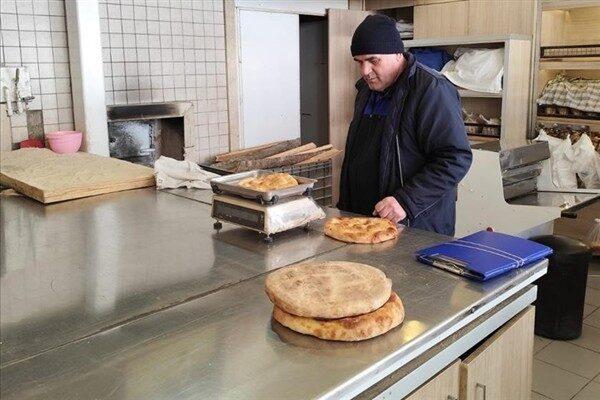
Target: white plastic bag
557, 172
586, 162
171, 174
477, 69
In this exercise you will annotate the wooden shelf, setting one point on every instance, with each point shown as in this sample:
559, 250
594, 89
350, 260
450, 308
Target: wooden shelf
568, 121
463, 40
569, 64
481, 139
549, 5
473, 93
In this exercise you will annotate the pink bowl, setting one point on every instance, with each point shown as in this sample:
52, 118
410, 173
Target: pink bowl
64, 142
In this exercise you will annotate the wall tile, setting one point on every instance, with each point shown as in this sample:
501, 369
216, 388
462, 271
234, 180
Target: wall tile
165, 51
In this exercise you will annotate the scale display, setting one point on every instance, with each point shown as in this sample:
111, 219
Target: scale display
238, 215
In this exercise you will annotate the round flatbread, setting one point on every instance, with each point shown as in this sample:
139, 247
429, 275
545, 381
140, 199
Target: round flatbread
274, 181
329, 289
361, 229
348, 329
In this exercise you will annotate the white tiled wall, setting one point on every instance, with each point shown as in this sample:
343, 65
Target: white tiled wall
34, 34
169, 50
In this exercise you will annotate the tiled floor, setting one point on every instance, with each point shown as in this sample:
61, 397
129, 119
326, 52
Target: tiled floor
564, 370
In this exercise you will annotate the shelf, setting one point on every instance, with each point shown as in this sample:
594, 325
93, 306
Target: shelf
569, 64
549, 5
473, 93
477, 138
568, 120
463, 40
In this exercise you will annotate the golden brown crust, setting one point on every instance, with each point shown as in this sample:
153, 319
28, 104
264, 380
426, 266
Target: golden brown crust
329, 289
273, 181
360, 327
361, 229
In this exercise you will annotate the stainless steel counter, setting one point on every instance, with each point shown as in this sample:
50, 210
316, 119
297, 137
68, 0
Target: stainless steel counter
200, 323
74, 268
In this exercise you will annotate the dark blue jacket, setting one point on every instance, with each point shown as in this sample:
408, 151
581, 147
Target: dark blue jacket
424, 150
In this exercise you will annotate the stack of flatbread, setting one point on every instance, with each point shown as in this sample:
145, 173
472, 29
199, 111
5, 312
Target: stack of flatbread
334, 300
361, 229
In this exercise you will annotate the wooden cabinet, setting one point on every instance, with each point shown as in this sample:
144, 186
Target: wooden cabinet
441, 20
501, 17
443, 386
501, 367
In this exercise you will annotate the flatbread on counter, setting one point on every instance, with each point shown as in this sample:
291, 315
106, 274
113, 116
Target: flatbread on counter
360, 327
361, 229
329, 289
278, 180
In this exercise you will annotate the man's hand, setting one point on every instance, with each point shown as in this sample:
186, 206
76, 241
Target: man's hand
389, 208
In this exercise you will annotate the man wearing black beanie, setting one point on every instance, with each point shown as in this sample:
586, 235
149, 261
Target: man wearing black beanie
407, 147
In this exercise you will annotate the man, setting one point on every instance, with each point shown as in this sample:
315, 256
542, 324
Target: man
407, 147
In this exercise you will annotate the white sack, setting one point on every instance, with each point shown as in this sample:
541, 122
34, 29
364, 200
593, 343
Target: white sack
171, 174
586, 162
557, 172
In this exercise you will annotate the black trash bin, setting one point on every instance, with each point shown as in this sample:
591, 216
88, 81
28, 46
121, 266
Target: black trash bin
561, 292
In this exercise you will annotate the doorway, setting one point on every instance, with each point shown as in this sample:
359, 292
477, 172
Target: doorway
314, 107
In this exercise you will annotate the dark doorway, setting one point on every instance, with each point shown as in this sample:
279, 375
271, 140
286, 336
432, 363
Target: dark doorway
314, 108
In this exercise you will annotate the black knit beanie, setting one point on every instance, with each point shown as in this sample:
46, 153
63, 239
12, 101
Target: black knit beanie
377, 34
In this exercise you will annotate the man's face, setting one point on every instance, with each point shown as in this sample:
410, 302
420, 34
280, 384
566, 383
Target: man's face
379, 70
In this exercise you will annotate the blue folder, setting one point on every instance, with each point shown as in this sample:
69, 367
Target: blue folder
483, 255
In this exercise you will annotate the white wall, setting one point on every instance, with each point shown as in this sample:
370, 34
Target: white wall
270, 76
297, 6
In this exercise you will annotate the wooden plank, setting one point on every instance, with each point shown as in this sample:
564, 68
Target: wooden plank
326, 155
516, 98
570, 63
49, 177
343, 74
473, 93
502, 365
501, 17
441, 20
594, 124
305, 147
442, 386
232, 64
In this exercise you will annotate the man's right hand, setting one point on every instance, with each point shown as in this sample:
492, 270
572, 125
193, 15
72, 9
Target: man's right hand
389, 208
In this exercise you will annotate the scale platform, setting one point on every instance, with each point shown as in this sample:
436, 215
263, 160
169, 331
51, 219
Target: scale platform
286, 214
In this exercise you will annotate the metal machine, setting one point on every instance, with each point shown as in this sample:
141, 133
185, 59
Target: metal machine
501, 192
267, 212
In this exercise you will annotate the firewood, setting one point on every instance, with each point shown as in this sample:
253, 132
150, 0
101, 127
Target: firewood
326, 155
318, 149
265, 163
261, 152
306, 147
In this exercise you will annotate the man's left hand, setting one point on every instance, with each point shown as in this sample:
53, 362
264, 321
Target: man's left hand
389, 208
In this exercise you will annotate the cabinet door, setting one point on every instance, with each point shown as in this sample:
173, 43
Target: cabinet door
343, 74
443, 386
501, 17
500, 369
441, 20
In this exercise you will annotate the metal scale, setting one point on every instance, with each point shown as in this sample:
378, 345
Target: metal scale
265, 212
